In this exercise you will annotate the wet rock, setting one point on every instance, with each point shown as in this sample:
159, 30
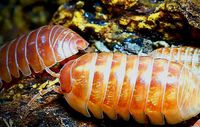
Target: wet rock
114, 21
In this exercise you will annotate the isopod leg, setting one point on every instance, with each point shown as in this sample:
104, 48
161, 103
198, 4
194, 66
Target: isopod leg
41, 93
52, 73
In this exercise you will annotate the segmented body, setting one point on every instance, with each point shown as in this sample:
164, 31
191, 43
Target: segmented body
124, 85
189, 56
39, 49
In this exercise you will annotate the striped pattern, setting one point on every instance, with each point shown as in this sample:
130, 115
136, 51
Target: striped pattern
189, 56
124, 85
39, 49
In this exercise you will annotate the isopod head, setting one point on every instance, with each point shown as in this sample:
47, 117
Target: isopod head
65, 78
82, 44
76, 79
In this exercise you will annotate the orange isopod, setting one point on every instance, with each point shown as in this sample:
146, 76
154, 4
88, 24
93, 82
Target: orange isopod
39, 49
129, 85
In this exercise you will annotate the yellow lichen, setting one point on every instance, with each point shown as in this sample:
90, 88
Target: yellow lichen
16, 96
155, 16
80, 4
131, 27
43, 85
167, 6
11, 92
61, 15
143, 25
97, 28
139, 18
35, 86
52, 83
79, 21
98, 9
101, 16
124, 21
125, 3
146, 15
21, 86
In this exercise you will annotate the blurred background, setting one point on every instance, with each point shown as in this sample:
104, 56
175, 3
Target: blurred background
19, 16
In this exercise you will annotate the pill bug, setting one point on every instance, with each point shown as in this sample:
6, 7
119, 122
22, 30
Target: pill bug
129, 85
189, 56
38, 50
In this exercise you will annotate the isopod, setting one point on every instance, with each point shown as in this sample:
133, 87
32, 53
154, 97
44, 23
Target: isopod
39, 49
122, 85
189, 56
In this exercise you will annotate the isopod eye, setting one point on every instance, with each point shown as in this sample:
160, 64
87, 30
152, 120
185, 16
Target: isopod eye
65, 77
81, 44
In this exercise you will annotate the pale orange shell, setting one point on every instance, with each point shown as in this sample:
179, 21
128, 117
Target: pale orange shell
129, 85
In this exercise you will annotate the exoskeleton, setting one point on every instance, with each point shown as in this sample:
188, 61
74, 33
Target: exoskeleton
129, 85
189, 56
39, 49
